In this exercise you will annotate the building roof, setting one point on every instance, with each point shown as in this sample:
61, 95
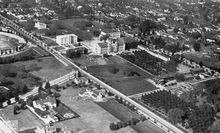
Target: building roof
196, 69
103, 45
49, 99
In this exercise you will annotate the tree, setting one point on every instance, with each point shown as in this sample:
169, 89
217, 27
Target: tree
113, 69
113, 126
16, 108
175, 30
9, 102
23, 104
215, 127
197, 46
188, 96
104, 37
47, 85
40, 88
96, 33
179, 77
170, 66
175, 115
16, 97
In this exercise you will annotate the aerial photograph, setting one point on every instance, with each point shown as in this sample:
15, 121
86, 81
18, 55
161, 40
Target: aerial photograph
110, 66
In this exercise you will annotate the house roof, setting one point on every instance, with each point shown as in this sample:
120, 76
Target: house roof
49, 99
103, 45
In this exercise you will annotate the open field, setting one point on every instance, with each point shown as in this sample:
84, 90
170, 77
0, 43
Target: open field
91, 60
128, 85
51, 68
26, 120
68, 24
124, 114
92, 118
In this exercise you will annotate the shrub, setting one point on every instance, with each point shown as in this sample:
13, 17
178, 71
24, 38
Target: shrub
113, 69
22, 75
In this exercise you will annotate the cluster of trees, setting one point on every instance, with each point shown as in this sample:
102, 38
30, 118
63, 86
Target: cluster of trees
113, 69
133, 44
197, 46
125, 103
212, 91
159, 42
145, 60
122, 124
13, 92
72, 53
82, 24
179, 111
53, 32
146, 26
7, 60
21, 105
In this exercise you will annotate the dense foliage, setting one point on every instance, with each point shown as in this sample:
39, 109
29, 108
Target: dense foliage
145, 60
187, 114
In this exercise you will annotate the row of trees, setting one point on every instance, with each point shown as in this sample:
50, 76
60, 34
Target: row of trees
145, 60
122, 124
179, 111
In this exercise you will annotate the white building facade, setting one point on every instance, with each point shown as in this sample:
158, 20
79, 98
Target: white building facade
68, 39
39, 25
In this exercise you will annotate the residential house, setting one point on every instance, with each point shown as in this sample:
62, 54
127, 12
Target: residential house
46, 129
42, 103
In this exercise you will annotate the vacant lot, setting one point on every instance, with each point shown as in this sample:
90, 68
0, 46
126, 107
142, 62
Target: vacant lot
124, 114
93, 118
26, 120
51, 68
128, 85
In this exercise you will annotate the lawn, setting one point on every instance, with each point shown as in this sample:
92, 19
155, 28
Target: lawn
68, 24
124, 114
51, 68
26, 119
93, 118
91, 60
128, 85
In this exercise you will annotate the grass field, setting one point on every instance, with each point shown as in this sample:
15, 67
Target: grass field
93, 118
51, 68
91, 60
68, 24
124, 114
26, 120
127, 85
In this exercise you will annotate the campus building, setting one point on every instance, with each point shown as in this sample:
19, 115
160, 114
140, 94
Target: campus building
109, 46
40, 25
100, 48
67, 39
112, 34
